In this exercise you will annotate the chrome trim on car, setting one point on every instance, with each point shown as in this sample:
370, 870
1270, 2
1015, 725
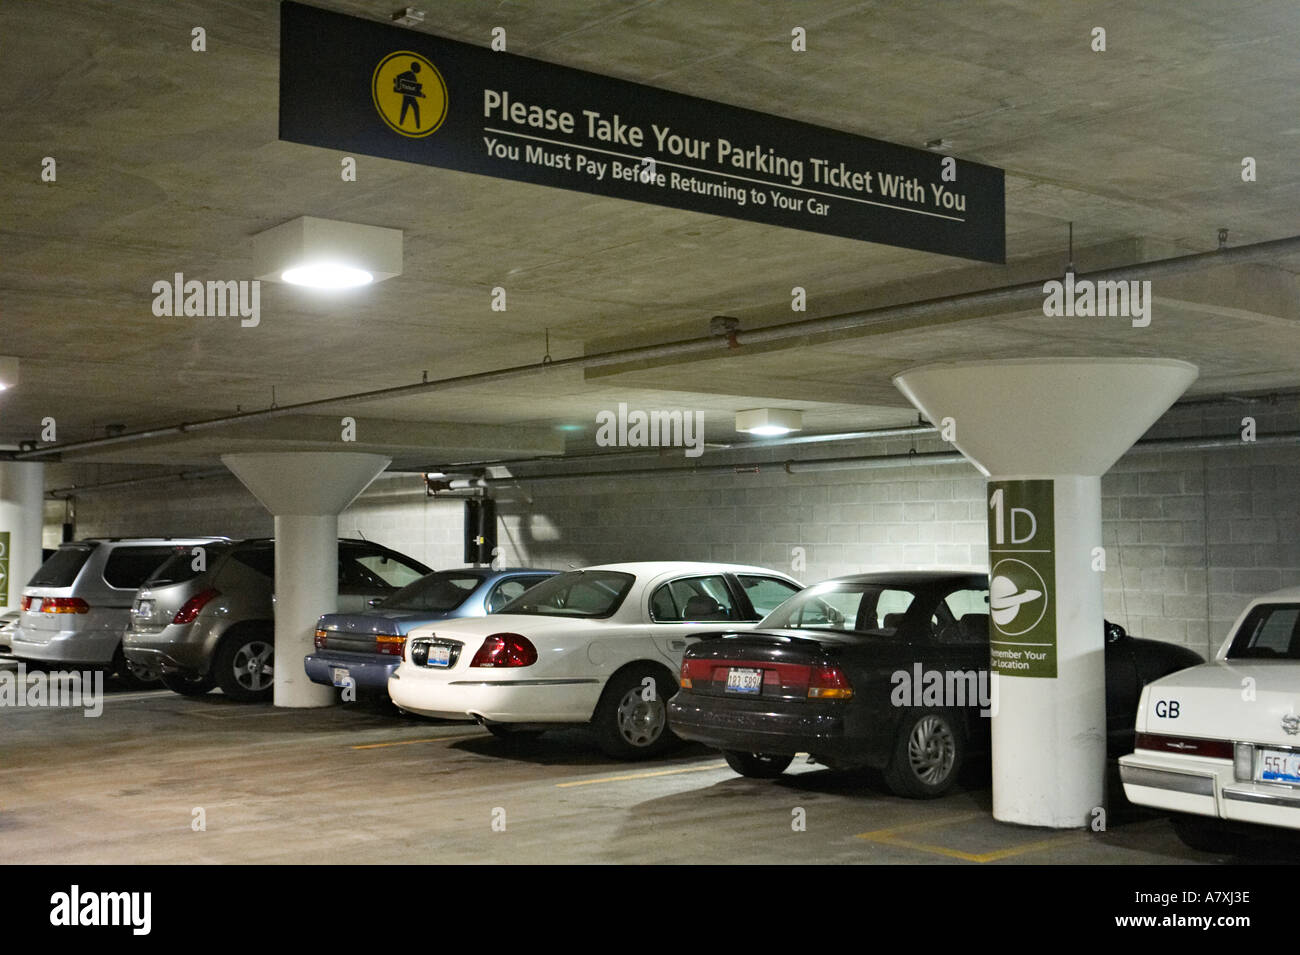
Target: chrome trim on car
1197, 784
518, 682
1276, 799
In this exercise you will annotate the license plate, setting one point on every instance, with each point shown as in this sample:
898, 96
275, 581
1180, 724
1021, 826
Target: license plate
340, 676
1278, 766
439, 656
36, 605
741, 680
145, 609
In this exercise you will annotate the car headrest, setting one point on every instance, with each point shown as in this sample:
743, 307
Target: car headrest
701, 607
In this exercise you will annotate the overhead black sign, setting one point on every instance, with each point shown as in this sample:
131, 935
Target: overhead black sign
366, 87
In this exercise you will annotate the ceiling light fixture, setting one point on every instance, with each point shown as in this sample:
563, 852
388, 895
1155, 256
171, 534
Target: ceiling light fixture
8, 373
769, 422
327, 253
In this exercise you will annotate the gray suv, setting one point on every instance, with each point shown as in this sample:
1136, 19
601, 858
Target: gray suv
207, 620
77, 606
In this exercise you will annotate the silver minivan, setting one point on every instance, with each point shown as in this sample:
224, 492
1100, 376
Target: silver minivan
77, 606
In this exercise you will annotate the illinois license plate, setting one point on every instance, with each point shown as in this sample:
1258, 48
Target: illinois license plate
744, 680
439, 656
340, 676
1278, 766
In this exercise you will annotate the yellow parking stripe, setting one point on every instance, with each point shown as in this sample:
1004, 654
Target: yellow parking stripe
408, 742
891, 837
660, 772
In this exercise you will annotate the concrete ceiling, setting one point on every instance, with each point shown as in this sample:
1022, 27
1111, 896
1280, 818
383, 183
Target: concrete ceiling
168, 161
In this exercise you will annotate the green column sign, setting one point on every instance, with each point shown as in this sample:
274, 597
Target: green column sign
4, 568
1022, 573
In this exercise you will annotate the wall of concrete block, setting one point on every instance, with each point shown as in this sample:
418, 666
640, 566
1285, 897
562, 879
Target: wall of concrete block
1189, 536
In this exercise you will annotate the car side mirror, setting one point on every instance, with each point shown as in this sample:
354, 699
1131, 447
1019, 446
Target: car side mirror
1114, 632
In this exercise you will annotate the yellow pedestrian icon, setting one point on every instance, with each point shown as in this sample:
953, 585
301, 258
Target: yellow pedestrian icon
409, 94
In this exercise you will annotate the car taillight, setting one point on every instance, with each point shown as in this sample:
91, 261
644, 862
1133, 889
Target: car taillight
190, 609
829, 683
25, 603
321, 637
693, 670
389, 644
505, 650
64, 605
1188, 745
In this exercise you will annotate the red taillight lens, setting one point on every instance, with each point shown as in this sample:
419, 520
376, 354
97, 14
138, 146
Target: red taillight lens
1188, 745
505, 650
321, 637
390, 645
191, 609
25, 603
829, 683
693, 670
64, 605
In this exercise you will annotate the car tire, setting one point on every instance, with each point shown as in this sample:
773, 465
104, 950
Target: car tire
1203, 834
187, 685
134, 675
928, 755
627, 725
757, 765
244, 665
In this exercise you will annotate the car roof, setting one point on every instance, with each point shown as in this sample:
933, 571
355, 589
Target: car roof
144, 540
907, 576
655, 567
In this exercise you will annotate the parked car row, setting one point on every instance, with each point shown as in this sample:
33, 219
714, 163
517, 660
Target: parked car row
740, 658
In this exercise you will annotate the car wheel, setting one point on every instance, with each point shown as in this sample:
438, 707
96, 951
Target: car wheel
507, 732
757, 765
187, 685
928, 755
244, 667
134, 675
627, 725
1203, 834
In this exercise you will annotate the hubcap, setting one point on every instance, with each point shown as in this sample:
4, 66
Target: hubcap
931, 750
640, 722
254, 667
145, 674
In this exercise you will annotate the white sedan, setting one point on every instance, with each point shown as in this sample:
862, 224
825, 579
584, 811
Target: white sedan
1221, 741
600, 645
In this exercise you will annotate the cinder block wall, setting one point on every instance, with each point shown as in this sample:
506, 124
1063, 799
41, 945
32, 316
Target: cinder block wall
1189, 536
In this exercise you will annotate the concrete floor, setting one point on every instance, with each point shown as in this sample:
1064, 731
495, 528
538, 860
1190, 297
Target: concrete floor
363, 784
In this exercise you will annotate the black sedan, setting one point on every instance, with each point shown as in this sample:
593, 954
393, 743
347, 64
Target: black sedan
882, 670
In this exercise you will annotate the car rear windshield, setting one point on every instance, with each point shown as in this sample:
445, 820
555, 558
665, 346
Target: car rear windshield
63, 566
579, 593
1269, 632
259, 557
844, 607
128, 567
185, 563
440, 592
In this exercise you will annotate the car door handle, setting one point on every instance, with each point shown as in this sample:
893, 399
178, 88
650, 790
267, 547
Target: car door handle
677, 644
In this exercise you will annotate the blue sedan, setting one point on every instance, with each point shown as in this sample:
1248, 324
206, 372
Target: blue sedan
361, 650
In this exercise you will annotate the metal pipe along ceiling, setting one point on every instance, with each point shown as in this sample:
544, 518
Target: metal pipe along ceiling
949, 308
865, 462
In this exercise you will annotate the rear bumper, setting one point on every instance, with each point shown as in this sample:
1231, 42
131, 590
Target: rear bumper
366, 670
174, 647
1206, 787
81, 647
520, 699
771, 727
